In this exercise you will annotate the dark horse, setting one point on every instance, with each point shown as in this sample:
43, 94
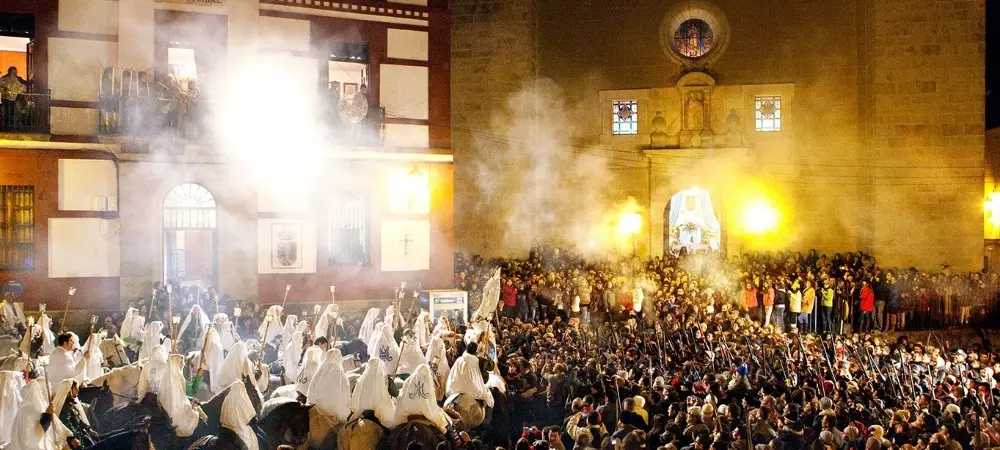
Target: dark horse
134, 438
226, 439
285, 422
97, 399
160, 427
419, 430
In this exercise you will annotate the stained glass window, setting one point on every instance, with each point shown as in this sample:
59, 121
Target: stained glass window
693, 38
624, 117
767, 113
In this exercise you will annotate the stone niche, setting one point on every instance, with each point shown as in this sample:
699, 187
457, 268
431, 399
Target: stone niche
698, 116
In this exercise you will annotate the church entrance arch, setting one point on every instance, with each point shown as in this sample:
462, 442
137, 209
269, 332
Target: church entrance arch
691, 222
190, 236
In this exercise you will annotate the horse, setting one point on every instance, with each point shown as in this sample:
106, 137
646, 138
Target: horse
98, 399
226, 439
213, 407
285, 422
323, 431
136, 438
416, 429
472, 411
13, 362
123, 382
362, 433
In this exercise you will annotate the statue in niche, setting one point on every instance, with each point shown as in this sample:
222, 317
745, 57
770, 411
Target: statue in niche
658, 138
696, 111
734, 132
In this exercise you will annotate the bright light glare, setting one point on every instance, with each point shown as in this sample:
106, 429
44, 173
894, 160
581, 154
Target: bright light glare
629, 223
759, 217
992, 208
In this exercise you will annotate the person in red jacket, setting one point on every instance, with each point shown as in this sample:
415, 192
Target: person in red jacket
750, 300
867, 306
509, 295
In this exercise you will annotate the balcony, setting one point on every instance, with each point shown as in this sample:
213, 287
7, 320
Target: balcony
28, 113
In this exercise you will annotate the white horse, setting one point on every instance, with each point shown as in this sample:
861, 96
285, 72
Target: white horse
123, 383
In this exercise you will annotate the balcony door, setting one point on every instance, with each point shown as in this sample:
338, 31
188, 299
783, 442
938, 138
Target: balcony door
190, 236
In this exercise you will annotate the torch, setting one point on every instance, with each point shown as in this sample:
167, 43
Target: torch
62, 325
149, 311
236, 313
199, 376
174, 321
170, 301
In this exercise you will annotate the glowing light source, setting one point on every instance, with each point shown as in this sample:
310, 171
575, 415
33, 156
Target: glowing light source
992, 208
629, 223
759, 216
409, 191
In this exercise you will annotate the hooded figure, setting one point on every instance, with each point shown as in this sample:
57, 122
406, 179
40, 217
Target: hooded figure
45, 330
184, 416
235, 367
374, 337
28, 432
372, 393
390, 316
329, 386
292, 354
274, 329
237, 412
443, 327
330, 319
131, 328
310, 363
12, 314
93, 366
384, 347
11, 384
368, 325
422, 329
291, 326
152, 337
465, 378
410, 357
71, 411
215, 357
151, 377
197, 320
228, 335
437, 360
418, 398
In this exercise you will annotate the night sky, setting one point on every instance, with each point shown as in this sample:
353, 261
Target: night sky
992, 64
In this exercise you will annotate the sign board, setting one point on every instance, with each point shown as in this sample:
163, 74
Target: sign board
451, 303
13, 287
192, 2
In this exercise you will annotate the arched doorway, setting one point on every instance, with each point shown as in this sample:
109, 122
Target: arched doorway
190, 238
691, 221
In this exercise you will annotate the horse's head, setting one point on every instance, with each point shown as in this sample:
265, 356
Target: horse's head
298, 425
252, 392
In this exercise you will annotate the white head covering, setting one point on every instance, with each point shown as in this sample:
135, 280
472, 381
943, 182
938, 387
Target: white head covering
418, 398
215, 357
323, 324
274, 330
11, 313
61, 396
151, 338
465, 378
368, 326
131, 328
173, 398
48, 338
227, 335
310, 363
93, 345
372, 392
390, 316
292, 355
437, 359
442, 326
291, 326
329, 387
374, 337
195, 312
236, 365
219, 319
27, 432
237, 412
151, 377
11, 384
384, 347
421, 328
409, 357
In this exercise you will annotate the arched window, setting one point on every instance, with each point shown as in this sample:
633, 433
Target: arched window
189, 205
190, 238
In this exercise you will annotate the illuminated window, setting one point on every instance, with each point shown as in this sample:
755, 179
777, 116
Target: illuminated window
17, 227
181, 64
624, 117
693, 38
409, 191
350, 230
767, 113
189, 205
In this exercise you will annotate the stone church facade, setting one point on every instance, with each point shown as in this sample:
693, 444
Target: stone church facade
861, 122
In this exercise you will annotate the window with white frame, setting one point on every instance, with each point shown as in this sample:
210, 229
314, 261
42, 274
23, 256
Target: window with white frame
624, 117
767, 112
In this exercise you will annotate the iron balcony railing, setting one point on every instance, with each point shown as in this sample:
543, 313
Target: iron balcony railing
28, 113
